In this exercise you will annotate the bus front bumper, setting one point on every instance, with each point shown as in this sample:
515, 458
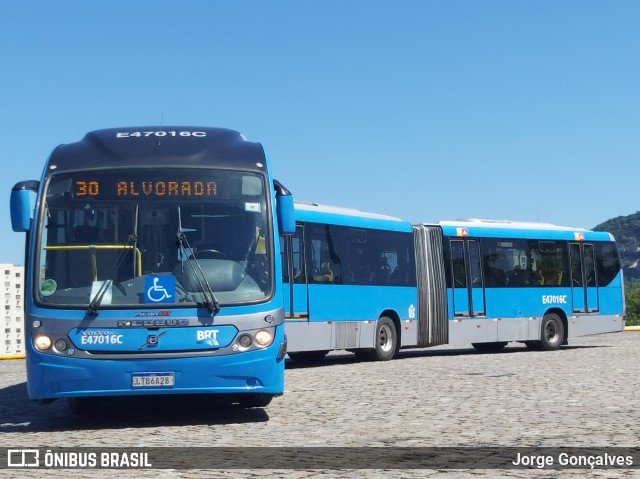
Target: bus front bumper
260, 371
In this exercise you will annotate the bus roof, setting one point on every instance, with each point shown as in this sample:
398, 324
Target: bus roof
519, 229
507, 224
154, 146
315, 213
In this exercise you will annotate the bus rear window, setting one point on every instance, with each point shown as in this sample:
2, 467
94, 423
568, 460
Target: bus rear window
608, 262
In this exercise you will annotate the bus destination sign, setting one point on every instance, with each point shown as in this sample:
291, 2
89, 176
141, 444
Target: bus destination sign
124, 189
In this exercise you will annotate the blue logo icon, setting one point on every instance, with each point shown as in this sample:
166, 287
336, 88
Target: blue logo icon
160, 289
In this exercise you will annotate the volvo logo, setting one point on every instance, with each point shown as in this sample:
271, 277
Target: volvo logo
152, 340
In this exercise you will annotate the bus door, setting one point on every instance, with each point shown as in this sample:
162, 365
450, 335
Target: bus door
583, 278
468, 283
296, 296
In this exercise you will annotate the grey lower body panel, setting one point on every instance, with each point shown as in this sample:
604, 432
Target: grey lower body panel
588, 324
486, 330
305, 335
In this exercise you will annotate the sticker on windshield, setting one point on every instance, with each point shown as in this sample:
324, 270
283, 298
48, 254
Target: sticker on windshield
159, 289
48, 287
252, 207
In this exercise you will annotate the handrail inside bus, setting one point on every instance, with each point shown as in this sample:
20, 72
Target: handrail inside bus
93, 247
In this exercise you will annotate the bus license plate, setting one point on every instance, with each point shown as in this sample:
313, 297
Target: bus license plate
152, 380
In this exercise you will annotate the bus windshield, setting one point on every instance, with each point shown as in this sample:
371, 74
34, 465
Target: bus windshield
141, 237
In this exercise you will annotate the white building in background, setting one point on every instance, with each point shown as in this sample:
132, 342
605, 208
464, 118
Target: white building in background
12, 344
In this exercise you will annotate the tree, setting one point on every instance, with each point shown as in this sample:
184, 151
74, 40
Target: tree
632, 298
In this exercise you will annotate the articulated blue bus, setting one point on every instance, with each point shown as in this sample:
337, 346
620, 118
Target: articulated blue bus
373, 284
151, 267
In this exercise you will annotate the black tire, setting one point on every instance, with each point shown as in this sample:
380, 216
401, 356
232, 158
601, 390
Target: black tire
308, 357
551, 332
386, 340
250, 400
489, 347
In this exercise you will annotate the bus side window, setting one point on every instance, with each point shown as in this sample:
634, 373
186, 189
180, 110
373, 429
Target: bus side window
475, 267
293, 252
283, 259
589, 265
403, 273
323, 259
297, 257
608, 262
459, 269
548, 262
388, 263
576, 265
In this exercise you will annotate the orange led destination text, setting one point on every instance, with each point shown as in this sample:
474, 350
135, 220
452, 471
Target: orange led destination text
151, 188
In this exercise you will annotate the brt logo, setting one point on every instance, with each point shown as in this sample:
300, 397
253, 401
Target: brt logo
207, 336
554, 299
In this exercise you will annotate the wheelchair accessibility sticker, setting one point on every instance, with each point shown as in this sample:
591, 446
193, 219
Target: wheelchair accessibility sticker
159, 289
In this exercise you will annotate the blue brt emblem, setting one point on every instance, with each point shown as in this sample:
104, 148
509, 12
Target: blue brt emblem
160, 289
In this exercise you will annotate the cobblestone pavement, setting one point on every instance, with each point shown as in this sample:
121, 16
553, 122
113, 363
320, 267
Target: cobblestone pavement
586, 394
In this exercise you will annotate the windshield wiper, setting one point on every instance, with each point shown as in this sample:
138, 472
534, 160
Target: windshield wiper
114, 272
187, 253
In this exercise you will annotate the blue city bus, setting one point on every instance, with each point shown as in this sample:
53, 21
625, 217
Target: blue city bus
373, 284
151, 267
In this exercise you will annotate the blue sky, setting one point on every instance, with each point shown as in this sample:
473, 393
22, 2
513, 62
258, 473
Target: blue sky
425, 110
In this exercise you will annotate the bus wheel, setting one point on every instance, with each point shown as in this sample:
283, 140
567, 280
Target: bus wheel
489, 347
308, 357
552, 332
386, 340
254, 400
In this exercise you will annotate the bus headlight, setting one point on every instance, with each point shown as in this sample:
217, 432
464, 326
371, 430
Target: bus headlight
264, 338
42, 342
60, 345
245, 341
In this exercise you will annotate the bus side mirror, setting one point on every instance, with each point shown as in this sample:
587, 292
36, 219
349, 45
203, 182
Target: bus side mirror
285, 210
21, 205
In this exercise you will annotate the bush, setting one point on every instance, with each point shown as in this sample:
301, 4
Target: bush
632, 297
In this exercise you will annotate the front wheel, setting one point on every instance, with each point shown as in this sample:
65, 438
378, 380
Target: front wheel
386, 340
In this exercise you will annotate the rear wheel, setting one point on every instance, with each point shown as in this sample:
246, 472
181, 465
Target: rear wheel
552, 332
250, 400
386, 340
489, 347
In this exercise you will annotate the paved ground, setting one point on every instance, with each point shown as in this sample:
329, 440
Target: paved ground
587, 394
